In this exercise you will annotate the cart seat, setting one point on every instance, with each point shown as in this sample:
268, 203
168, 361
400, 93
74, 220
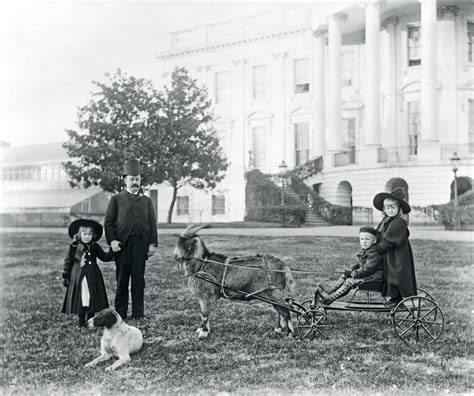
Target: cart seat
371, 285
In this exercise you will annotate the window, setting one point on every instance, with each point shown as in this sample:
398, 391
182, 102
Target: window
301, 68
221, 87
259, 86
414, 125
183, 206
223, 137
348, 69
470, 127
218, 205
414, 46
470, 41
259, 143
349, 143
301, 143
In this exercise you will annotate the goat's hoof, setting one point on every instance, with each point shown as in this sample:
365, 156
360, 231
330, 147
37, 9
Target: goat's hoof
202, 334
278, 330
88, 365
110, 368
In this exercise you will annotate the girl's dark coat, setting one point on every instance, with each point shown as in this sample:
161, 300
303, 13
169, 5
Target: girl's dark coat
399, 267
75, 274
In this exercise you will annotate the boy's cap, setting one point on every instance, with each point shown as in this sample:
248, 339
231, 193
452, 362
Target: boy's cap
76, 224
370, 230
132, 168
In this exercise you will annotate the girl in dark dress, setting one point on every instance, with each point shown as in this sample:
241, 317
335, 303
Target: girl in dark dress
85, 294
394, 246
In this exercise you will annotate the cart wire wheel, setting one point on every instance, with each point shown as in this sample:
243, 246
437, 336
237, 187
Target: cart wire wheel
423, 293
418, 320
312, 324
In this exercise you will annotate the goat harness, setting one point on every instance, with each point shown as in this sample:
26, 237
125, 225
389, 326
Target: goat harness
202, 274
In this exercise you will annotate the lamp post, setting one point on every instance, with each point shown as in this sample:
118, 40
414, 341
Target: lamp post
283, 167
455, 161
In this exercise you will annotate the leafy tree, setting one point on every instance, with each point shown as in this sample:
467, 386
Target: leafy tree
190, 151
114, 125
169, 132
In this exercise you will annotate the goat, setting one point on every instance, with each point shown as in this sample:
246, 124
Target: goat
213, 275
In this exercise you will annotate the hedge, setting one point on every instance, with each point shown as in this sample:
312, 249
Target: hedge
263, 202
286, 215
446, 214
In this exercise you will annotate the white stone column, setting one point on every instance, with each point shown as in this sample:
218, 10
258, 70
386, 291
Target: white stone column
447, 73
333, 110
429, 147
372, 82
391, 129
319, 130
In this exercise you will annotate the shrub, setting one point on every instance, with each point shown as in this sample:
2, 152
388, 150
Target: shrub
263, 202
286, 215
446, 215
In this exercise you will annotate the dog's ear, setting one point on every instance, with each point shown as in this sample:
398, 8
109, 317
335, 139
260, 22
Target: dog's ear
105, 318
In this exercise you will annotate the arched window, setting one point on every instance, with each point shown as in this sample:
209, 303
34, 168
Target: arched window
344, 194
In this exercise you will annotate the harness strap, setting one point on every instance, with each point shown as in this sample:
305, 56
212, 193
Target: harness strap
226, 265
270, 287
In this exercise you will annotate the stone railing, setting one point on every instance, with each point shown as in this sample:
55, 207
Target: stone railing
238, 28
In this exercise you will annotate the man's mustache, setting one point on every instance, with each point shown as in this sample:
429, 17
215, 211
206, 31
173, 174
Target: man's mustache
135, 185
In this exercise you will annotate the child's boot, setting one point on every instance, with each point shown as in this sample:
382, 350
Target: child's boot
82, 320
332, 288
328, 298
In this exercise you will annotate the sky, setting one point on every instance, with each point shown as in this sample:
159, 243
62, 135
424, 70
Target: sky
52, 51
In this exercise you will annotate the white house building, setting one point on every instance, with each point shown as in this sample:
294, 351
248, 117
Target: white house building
383, 90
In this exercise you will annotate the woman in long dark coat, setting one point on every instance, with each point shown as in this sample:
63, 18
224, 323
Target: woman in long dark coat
393, 244
85, 294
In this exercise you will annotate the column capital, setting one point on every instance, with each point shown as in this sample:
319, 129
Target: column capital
393, 20
339, 16
279, 55
446, 10
320, 33
374, 3
238, 62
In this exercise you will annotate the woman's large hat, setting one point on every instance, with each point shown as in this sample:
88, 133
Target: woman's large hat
132, 168
76, 224
398, 195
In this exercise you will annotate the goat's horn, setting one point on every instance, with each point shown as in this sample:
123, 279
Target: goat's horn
191, 230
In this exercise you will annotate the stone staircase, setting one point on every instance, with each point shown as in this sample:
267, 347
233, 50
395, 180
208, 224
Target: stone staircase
313, 218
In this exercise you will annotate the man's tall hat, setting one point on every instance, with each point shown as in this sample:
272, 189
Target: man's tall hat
132, 168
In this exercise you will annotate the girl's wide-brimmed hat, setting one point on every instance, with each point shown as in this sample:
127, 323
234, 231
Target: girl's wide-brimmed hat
398, 195
76, 224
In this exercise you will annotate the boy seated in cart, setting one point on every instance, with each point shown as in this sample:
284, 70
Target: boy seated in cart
368, 268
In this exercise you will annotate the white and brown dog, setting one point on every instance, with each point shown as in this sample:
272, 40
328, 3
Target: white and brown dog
119, 339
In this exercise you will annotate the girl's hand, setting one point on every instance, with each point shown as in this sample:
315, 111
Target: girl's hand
115, 245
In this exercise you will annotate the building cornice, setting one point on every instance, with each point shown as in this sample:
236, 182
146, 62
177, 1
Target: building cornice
228, 44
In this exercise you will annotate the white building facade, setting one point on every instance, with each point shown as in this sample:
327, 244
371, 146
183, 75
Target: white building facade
383, 90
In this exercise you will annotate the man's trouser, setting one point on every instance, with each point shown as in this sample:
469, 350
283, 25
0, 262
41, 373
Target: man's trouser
130, 262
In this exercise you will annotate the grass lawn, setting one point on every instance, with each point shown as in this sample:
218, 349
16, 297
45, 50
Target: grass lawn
45, 354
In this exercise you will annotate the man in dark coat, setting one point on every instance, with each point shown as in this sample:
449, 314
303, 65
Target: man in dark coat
393, 244
130, 229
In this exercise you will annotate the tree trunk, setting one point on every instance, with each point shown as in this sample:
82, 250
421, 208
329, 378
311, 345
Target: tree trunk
173, 200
